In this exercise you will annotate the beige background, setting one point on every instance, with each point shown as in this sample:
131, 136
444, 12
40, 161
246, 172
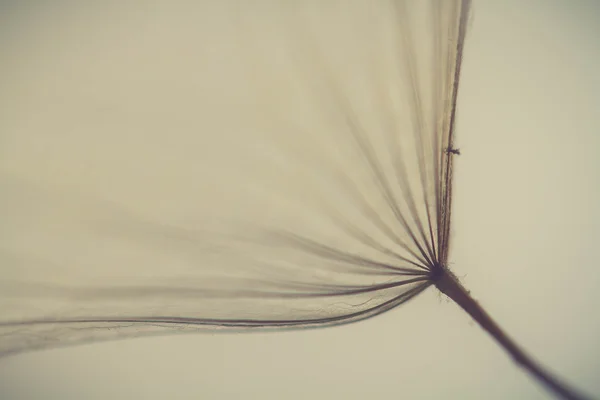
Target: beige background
524, 223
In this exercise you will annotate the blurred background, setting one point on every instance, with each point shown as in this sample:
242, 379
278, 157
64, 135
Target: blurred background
524, 223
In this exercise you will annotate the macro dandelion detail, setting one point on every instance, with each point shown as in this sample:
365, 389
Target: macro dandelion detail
323, 180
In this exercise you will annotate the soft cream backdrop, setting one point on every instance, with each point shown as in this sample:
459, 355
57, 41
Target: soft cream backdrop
525, 225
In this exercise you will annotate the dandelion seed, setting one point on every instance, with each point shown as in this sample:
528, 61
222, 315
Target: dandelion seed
364, 228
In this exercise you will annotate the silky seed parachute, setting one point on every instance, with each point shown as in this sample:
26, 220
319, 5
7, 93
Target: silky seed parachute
318, 184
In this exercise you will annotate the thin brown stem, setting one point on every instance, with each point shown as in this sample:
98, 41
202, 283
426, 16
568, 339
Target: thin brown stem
448, 284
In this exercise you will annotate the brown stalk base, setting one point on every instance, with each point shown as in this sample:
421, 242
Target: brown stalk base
448, 284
